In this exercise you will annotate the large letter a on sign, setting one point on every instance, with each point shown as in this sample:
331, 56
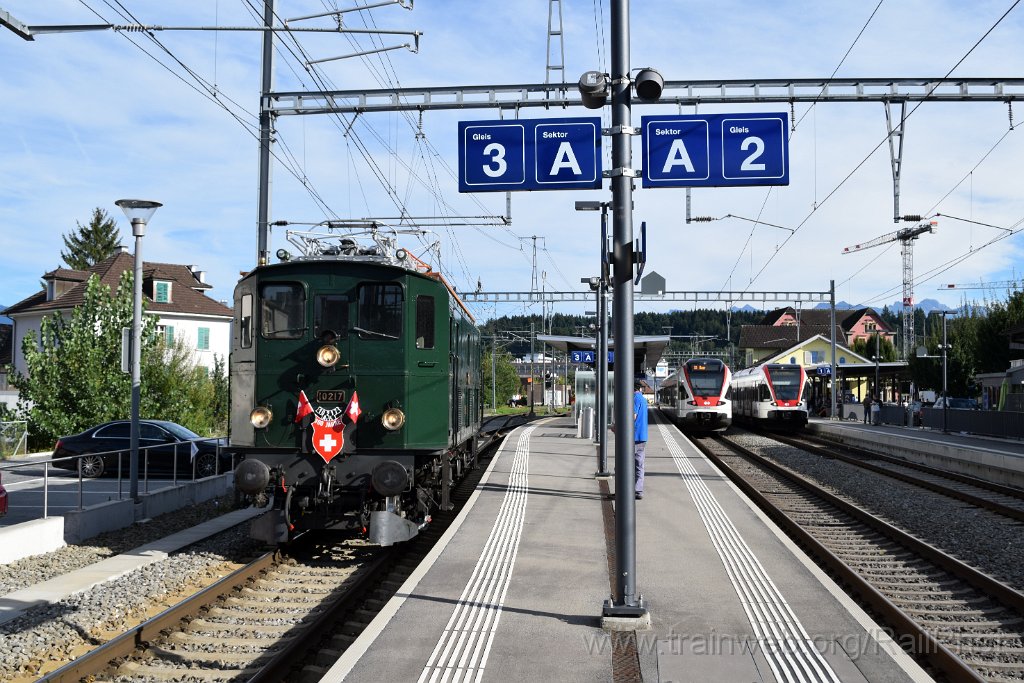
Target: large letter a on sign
678, 156
565, 159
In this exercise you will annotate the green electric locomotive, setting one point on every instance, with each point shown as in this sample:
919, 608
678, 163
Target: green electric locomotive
355, 392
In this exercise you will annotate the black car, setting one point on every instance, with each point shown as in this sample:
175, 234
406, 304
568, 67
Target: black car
159, 441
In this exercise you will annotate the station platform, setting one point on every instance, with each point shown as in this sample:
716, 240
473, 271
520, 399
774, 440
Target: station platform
987, 457
513, 590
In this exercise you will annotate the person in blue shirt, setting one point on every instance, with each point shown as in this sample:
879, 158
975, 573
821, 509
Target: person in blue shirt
639, 435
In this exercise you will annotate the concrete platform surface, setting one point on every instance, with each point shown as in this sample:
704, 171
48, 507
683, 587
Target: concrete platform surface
514, 589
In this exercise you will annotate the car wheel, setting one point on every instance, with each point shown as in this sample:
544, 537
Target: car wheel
206, 465
91, 466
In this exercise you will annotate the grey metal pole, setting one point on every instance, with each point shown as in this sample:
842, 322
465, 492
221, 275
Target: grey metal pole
494, 380
878, 358
138, 230
945, 394
533, 364
626, 601
602, 356
266, 124
834, 375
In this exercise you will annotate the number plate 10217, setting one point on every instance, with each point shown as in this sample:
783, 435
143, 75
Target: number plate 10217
330, 396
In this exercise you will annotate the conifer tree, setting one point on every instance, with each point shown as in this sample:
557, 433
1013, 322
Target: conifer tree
90, 244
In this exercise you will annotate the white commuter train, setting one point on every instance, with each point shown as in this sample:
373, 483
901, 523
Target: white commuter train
772, 395
697, 395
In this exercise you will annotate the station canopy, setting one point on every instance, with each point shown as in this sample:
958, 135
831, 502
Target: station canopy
647, 351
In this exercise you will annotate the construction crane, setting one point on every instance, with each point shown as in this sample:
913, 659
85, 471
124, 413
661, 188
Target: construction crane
1004, 284
906, 236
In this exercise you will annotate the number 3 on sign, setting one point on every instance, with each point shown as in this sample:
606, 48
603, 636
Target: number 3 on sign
497, 166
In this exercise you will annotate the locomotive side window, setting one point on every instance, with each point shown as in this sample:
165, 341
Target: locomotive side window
424, 322
330, 312
283, 310
245, 321
380, 311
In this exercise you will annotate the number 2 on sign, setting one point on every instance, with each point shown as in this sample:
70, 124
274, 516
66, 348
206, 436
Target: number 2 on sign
497, 154
748, 163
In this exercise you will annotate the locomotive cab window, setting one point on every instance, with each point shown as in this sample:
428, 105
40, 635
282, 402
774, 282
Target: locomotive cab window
283, 310
424, 322
245, 321
330, 312
380, 311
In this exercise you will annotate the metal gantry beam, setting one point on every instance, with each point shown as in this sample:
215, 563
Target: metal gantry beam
588, 296
687, 93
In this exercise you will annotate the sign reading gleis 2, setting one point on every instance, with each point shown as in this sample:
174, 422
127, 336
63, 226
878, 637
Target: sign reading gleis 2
538, 154
715, 150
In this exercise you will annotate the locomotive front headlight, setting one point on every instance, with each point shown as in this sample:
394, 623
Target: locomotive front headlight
392, 419
261, 416
328, 355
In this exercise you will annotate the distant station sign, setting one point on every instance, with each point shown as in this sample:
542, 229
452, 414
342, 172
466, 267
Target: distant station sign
589, 357
536, 154
715, 150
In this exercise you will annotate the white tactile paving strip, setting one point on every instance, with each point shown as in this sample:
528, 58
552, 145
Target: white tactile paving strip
461, 651
782, 638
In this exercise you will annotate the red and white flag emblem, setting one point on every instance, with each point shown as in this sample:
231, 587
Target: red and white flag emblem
328, 437
304, 408
353, 411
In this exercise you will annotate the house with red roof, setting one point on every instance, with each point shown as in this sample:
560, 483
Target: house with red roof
176, 294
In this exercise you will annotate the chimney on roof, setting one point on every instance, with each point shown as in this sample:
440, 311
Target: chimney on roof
201, 276
122, 249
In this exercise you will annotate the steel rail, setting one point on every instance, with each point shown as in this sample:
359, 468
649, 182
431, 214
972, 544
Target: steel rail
925, 644
123, 645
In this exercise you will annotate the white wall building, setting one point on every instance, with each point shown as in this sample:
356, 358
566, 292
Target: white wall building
174, 293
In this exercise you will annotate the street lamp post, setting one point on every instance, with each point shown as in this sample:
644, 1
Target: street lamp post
138, 211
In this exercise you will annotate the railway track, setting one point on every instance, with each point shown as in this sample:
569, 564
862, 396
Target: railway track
955, 618
278, 618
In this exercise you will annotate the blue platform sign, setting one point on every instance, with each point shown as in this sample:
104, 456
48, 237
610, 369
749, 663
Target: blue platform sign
535, 154
715, 150
589, 357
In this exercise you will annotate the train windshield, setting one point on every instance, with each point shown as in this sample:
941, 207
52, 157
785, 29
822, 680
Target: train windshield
705, 378
380, 311
330, 312
283, 310
786, 382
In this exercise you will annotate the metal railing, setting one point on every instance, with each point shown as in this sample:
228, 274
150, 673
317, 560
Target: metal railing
13, 438
123, 456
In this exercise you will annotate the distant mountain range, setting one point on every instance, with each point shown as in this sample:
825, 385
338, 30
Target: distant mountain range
926, 305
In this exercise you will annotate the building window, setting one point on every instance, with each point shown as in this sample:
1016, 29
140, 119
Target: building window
168, 335
203, 343
162, 292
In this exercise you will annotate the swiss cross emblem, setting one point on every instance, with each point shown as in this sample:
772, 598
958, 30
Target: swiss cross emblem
328, 437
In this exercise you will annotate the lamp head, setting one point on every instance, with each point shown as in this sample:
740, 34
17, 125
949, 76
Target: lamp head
141, 209
593, 88
649, 84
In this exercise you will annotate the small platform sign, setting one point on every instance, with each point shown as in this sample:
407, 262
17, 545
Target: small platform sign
589, 357
715, 150
534, 154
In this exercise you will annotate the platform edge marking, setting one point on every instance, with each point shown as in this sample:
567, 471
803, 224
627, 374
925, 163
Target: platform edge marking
344, 665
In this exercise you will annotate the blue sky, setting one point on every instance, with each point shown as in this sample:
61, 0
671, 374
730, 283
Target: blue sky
89, 118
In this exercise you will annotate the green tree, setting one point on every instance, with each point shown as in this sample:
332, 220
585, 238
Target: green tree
90, 244
74, 378
506, 379
866, 347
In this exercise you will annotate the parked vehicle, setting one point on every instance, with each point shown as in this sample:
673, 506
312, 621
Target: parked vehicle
3, 496
958, 403
159, 442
